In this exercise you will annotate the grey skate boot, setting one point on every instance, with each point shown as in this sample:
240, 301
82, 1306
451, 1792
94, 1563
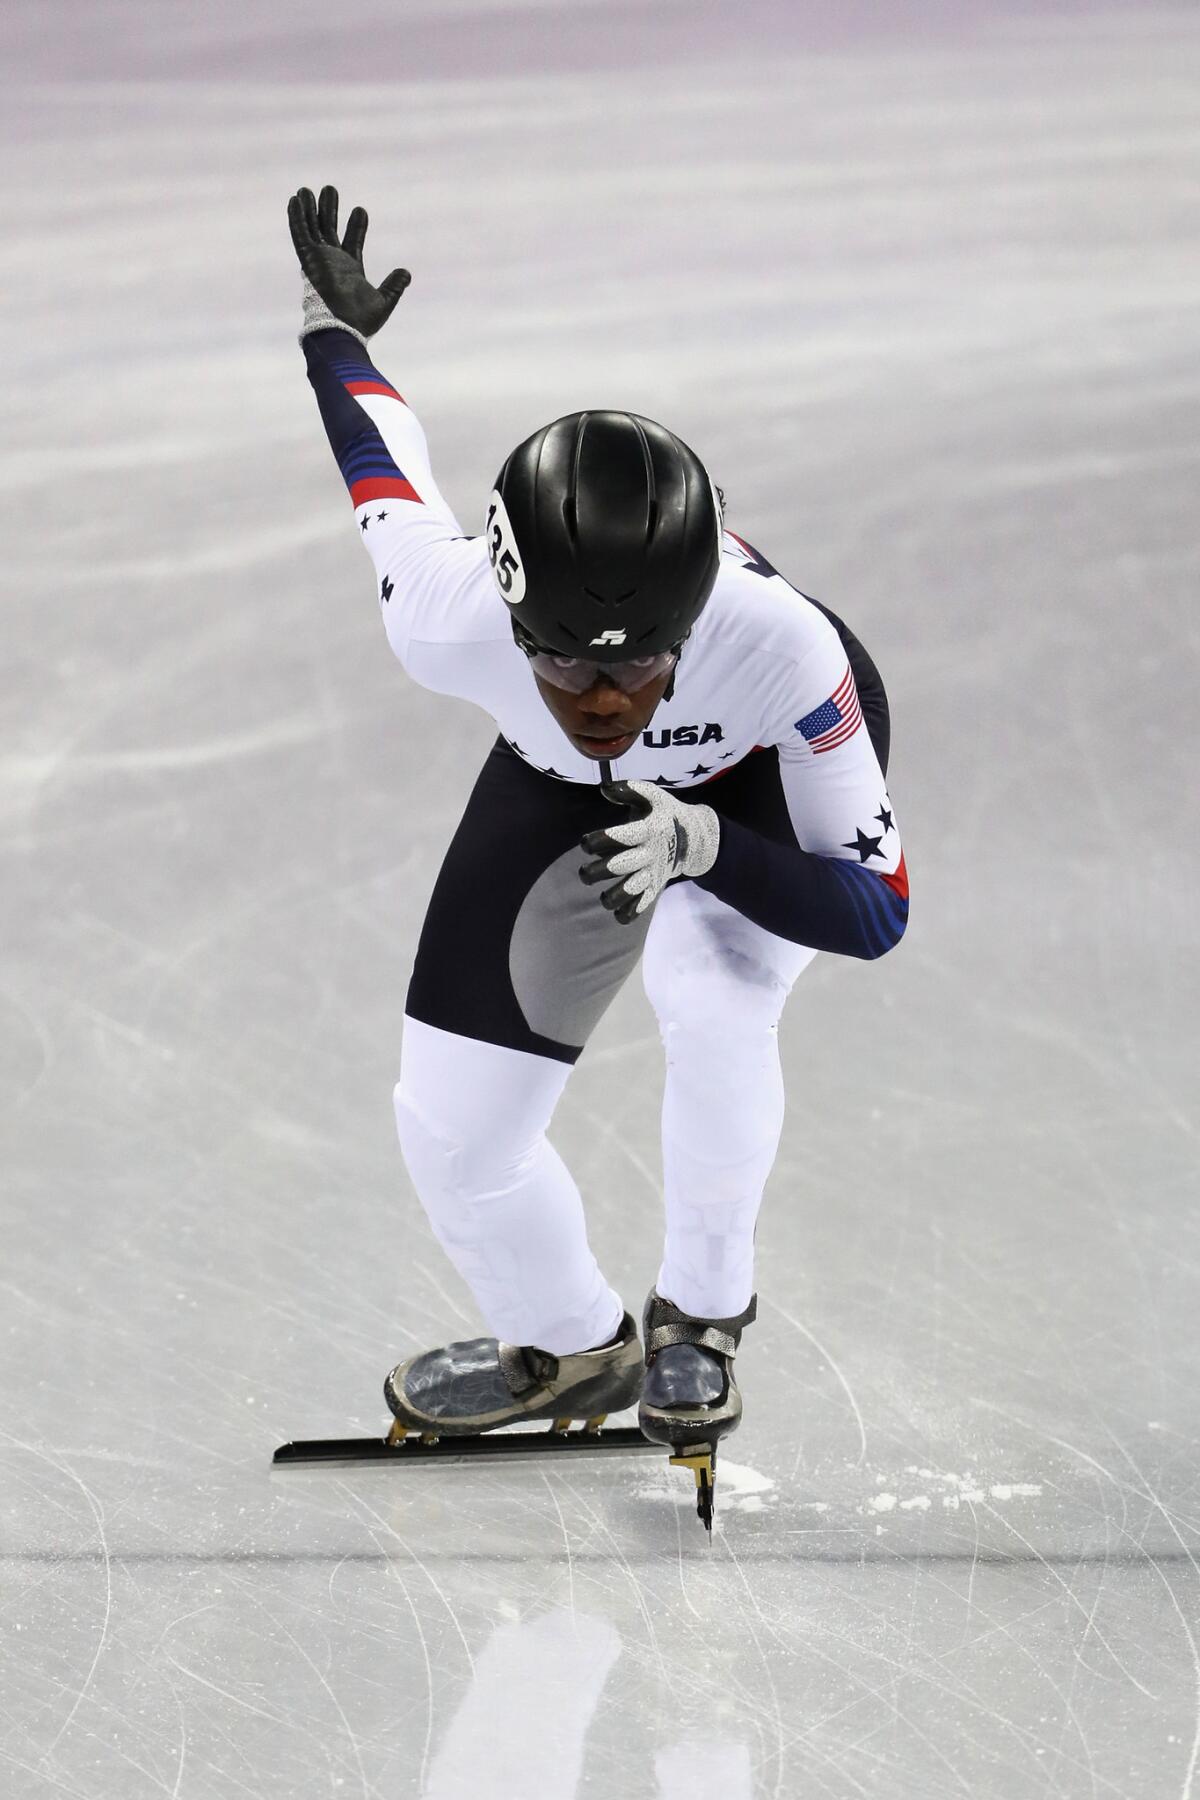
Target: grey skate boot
690, 1399
482, 1384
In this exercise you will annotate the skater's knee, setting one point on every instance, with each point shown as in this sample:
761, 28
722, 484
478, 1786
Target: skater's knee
446, 1149
717, 997
427, 1151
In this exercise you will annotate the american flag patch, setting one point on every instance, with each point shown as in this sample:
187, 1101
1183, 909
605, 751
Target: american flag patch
836, 719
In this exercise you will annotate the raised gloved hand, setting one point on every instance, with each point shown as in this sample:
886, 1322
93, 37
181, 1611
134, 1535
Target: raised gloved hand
662, 839
335, 269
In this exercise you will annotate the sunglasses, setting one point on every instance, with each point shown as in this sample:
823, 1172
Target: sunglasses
576, 674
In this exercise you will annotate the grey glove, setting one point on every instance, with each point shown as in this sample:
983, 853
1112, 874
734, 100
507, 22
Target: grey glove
335, 269
666, 838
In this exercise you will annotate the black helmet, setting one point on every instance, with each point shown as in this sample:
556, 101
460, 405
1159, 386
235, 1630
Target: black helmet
604, 533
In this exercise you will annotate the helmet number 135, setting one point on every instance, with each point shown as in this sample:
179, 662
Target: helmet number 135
502, 552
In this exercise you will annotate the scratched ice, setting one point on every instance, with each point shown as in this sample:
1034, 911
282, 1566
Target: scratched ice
921, 284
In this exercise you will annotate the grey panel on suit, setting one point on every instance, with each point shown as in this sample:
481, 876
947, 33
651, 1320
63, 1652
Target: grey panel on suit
568, 955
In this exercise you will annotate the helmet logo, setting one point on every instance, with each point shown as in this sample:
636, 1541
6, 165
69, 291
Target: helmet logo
609, 637
502, 551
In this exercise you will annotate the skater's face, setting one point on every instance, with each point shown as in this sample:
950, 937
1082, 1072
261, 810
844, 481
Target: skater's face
605, 720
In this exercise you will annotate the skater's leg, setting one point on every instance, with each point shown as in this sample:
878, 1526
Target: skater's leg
472, 1119
718, 985
517, 962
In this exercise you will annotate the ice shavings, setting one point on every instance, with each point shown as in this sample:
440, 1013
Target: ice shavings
953, 1491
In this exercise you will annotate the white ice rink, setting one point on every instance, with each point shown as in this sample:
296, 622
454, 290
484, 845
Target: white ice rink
921, 285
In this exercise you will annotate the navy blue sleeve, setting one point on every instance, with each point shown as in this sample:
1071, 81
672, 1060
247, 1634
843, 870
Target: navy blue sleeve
822, 901
341, 372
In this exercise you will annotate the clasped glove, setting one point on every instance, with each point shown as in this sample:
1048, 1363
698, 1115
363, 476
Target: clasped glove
335, 269
662, 839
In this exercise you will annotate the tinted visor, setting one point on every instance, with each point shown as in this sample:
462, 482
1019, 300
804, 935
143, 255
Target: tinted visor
576, 674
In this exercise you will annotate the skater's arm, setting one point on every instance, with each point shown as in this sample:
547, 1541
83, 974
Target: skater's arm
423, 563
872, 696
380, 448
845, 888
827, 902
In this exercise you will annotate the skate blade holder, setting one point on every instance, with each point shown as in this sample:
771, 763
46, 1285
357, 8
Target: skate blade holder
399, 1432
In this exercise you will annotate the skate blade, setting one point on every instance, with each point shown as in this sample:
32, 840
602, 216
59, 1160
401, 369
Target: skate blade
702, 1464
402, 1445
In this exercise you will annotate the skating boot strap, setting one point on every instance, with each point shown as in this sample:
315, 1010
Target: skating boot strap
524, 1367
663, 1323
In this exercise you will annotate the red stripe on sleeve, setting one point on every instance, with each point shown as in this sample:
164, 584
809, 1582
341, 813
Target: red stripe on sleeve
383, 487
374, 387
898, 882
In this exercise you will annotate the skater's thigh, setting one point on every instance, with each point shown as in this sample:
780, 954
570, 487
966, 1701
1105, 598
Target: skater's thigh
515, 949
706, 963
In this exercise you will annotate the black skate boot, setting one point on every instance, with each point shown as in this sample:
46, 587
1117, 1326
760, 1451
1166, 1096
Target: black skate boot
482, 1384
690, 1399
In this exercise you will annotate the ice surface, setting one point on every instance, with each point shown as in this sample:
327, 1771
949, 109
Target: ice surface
921, 285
